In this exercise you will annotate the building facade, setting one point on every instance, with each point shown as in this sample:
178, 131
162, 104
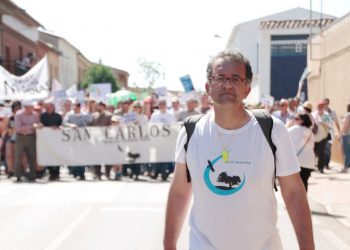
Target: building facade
18, 35
276, 46
328, 57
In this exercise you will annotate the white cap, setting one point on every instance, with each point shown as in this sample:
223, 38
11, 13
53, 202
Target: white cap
28, 103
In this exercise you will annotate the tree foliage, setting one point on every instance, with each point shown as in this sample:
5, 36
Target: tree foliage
230, 180
99, 73
152, 71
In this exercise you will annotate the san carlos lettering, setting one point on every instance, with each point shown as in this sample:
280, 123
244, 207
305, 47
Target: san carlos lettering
117, 134
73, 135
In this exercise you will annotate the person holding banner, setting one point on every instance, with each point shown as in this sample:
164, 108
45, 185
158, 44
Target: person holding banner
232, 172
124, 116
141, 120
53, 120
25, 121
162, 116
101, 118
74, 119
66, 107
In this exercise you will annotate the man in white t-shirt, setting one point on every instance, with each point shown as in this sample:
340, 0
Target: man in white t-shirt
335, 122
162, 115
232, 171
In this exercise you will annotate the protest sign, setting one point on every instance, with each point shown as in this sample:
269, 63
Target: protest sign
99, 91
187, 83
35, 84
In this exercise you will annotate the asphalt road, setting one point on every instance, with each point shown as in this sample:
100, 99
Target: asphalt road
124, 215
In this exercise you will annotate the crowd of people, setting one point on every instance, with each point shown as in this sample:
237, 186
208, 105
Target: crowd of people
18, 129
312, 132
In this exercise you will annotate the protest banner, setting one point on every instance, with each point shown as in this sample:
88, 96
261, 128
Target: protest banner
107, 145
35, 84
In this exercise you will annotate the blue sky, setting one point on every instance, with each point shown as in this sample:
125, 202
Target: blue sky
180, 35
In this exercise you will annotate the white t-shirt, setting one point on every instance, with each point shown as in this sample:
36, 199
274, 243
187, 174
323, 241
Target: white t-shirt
159, 117
235, 206
299, 136
324, 124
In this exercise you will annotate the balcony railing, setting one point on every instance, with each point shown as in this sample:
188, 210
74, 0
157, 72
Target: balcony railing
14, 67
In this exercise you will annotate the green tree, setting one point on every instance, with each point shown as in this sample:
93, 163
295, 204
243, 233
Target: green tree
152, 71
99, 73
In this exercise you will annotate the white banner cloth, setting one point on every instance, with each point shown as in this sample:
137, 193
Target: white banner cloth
107, 145
35, 84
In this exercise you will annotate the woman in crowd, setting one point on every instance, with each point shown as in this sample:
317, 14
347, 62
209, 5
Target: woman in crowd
10, 139
141, 120
345, 137
303, 141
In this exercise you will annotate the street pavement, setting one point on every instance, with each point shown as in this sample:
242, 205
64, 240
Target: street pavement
332, 191
129, 215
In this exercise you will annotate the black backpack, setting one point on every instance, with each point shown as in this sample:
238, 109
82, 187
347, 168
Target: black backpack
265, 121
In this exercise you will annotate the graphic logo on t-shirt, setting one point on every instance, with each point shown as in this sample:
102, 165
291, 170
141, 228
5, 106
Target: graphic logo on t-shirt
226, 184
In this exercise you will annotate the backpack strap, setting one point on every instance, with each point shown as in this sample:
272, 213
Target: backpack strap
190, 125
266, 124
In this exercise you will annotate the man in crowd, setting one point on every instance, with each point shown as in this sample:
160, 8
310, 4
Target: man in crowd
322, 121
66, 107
191, 106
122, 114
75, 119
90, 106
102, 118
283, 113
335, 122
205, 104
232, 171
162, 116
25, 122
53, 120
175, 107
292, 109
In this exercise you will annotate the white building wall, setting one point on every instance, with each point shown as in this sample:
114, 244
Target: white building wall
255, 45
29, 32
246, 42
264, 64
68, 64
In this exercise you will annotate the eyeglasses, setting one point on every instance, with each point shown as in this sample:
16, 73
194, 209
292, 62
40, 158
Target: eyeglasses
220, 79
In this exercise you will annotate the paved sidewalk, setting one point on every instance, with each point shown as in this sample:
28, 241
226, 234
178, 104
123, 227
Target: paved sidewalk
332, 191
